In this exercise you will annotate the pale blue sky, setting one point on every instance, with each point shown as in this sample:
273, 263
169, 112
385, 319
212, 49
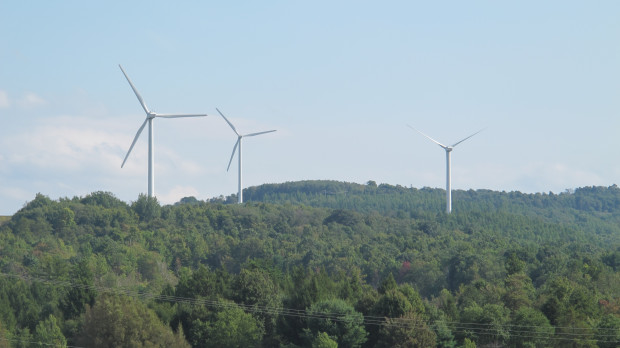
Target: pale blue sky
339, 80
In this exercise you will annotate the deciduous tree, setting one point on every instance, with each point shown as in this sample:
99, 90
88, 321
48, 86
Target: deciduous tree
120, 321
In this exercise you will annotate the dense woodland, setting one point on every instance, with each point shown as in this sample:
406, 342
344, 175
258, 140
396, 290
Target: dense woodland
315, 264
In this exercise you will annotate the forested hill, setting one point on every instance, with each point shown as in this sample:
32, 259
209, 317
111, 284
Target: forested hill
315, 264
388, 198
596, 209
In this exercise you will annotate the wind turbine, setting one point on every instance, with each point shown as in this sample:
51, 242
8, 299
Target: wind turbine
238, 143
448, 175
150, 115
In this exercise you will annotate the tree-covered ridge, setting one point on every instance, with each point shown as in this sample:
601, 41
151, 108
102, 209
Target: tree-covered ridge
289, 274
335, 194
592, 208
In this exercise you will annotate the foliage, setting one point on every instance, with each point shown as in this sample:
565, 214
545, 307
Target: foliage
337, 319
229, 327
322, 340
536, 324
119, 321
146, 207
48, 334
379, 254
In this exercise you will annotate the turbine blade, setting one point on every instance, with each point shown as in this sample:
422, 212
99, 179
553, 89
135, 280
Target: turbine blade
233, 153
227, 121
259, 133
135, 91
431, 139
176, 116
134, 141
467, 138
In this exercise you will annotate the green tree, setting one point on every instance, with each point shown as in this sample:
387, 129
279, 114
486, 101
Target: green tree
568, 306
255, 287
514, 264
392, 304
203, 283
417, 305
63, 220
410, 330
147, 208
467, 343
40, 200
103, 199
230, 327
487, 324
534, 329
303, 288
608, 330
441, 326
447, 303
389, 283
119, 321
22, 338
82, 294
49, 334
337, 319
4, 334
519, 291
322, 340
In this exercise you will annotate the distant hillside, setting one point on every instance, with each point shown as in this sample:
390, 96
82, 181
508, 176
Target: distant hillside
594, 208
374, 252
371, 196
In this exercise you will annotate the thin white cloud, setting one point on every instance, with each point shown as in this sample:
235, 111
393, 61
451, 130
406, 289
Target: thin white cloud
171, 161
31, 100
67, 144
73, 143
176, 193
77, 155
4, 100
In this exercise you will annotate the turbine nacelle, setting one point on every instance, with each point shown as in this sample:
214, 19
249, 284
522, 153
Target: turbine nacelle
150, 115
448, 150
238, 145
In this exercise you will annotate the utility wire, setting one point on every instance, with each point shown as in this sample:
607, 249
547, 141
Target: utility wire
520, 331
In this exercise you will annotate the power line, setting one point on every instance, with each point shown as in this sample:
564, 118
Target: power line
518, 331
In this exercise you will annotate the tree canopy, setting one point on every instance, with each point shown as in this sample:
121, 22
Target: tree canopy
315, 263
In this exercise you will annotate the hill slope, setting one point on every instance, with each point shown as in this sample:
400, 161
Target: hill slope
555, 257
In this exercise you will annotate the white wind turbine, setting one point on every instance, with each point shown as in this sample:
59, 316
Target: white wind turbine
238, 143
448, 175
150, 115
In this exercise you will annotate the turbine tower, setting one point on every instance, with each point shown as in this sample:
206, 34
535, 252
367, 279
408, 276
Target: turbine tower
448, 174
238, 143
150, 115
